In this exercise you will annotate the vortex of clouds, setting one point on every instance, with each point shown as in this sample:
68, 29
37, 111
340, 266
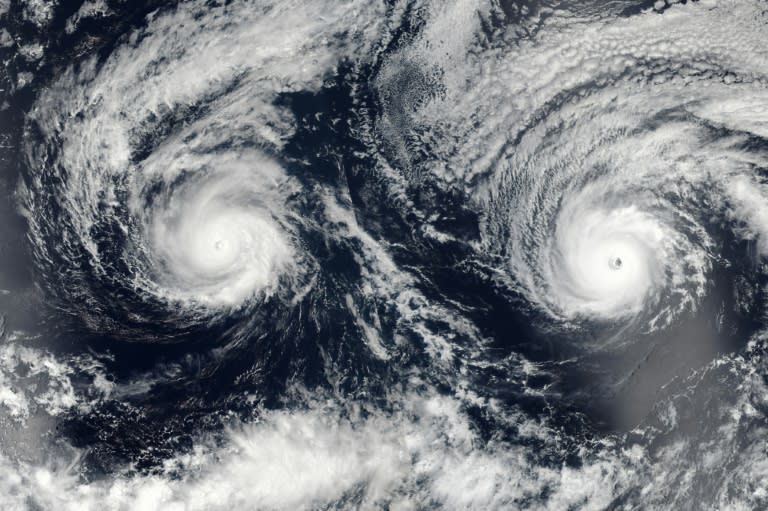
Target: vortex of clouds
607, 263
162, 183
614, 231
598, 152
601, 156
216, 239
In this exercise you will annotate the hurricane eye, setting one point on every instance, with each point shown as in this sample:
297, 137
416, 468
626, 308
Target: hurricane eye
212, 243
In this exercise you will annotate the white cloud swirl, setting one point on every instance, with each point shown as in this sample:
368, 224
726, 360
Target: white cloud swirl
589, 143
162, 173
216, 239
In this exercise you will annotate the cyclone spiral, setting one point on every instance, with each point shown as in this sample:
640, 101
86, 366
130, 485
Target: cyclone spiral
391, 254
198, 215
604, 180
641, 170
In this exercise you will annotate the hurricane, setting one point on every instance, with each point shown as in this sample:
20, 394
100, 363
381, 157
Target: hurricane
200, 218
483, 254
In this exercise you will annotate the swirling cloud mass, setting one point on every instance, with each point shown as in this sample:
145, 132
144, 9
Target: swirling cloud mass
386, 255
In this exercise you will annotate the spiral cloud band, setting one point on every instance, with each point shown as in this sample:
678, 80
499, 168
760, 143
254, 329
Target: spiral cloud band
603, 144
215, 237
201, 213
